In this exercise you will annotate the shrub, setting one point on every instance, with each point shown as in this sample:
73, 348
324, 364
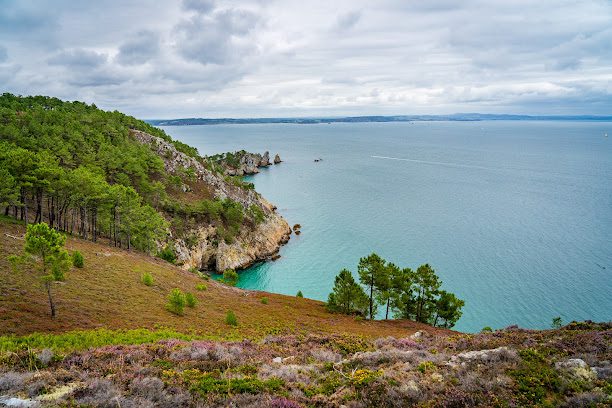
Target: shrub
176, 302
299, 294
426, 366
77, 259
230, 277
167, 254
534, 377
557, 323
264, 300
191, 300
230, 318
147, 279
486, 329
201, 287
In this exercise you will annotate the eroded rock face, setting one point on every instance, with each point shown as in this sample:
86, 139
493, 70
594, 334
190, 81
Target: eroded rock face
258, 244
277, 159
251, 244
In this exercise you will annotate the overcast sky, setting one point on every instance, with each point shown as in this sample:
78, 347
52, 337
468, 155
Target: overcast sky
206, 58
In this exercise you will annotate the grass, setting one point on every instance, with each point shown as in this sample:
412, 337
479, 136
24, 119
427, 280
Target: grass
85, 339
108, 293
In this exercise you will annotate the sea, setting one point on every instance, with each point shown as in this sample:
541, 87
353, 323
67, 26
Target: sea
514, 216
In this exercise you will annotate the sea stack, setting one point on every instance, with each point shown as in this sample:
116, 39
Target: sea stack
277, 159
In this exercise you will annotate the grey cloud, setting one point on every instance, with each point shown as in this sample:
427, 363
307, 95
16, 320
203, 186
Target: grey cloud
3, 54
78, 58
348, 20
200, 6
290, 57
140, 49
217, 38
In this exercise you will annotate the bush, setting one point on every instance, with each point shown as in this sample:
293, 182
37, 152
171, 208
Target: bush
201, 287
299, 294
167, 254
486, 329
176, 302
264, 300
230, 277
77, 259
230, 318
557, 323
191, 300
426, 366
147, 279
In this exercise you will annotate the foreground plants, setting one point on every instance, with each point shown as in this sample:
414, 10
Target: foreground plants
512, 367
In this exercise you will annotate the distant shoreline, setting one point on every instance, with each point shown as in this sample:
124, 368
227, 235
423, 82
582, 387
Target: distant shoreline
459, 117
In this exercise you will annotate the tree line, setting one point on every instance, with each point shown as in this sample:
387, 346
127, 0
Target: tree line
77, 168
403, 292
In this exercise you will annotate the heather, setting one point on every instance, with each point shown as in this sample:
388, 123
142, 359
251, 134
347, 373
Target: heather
511, 367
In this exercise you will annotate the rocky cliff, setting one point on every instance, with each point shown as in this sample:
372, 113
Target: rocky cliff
252, 244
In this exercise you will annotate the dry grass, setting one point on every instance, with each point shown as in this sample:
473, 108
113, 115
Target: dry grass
108, 292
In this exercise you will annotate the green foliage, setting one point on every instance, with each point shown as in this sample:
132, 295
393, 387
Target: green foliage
191, 300
46, 245
167, 254
147, 279
206, 383
535, 378
239, 182
256, 214
447, 309
85, 163
201, 287
557, 323
426, 366
230, 277
347, 296
486, 329
77, 259
264, 300
299, 294
83, 339
409, 294
176, 302
372, 275
230, 318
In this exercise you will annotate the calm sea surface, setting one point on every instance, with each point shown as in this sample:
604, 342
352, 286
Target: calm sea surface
516, 217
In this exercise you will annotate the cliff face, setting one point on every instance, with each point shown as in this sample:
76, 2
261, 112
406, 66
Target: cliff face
252, 244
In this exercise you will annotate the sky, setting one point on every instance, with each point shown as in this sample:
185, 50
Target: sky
258, 58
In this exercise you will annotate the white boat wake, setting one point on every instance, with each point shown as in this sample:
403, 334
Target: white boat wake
468, 166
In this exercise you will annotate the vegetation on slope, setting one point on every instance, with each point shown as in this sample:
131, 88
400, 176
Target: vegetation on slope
81, 170
508, 368
108, 292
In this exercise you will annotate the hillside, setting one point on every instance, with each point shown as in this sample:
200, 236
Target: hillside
285, 352
109, 177
108, 292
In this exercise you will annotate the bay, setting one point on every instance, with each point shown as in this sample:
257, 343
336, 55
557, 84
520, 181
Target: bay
515, 216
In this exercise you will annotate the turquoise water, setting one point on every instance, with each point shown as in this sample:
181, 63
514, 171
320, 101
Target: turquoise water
516, 217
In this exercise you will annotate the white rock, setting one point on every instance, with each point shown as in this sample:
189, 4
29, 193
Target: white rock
417, 335
277, 360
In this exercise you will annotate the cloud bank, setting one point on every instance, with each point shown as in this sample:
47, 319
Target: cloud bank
209, 58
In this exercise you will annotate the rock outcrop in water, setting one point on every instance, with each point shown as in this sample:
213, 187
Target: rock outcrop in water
251, 244
242, 162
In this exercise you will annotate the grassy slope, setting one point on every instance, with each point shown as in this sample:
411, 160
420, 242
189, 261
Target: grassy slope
108, 292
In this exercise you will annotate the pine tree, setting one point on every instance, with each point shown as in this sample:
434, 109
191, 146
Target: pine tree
347, 295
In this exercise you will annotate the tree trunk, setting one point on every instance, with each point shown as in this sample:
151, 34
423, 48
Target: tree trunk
38, 196
387, 312
51, 303
371, 297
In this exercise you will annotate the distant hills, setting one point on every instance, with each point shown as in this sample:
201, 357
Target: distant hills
457, 117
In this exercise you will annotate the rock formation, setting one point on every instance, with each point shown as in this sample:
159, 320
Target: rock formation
277, 159
252, 244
